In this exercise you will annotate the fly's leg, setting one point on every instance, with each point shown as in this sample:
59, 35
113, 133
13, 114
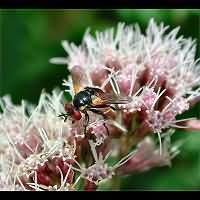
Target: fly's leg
87, 119
115, 108
64, 116
104, 124
106, 106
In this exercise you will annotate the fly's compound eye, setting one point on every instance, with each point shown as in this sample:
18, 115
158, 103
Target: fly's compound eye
77, 115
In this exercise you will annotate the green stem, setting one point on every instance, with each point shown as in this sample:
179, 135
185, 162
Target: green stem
115, 183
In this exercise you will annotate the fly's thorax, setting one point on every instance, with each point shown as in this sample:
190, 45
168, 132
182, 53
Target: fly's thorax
81, 100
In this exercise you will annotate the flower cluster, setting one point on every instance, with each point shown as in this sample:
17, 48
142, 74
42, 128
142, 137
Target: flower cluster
156, 71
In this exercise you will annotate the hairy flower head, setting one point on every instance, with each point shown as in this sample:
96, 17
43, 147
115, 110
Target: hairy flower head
155, 70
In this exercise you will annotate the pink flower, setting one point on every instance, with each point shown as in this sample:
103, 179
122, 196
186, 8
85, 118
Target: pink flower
147, 156
158, 74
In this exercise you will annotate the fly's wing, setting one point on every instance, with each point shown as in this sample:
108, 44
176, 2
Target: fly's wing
101, 98
78, 78
76, 84
108, 99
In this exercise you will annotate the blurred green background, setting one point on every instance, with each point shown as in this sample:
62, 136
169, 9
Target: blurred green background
29, 38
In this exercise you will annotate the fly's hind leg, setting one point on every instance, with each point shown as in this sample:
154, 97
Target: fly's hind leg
115, 108
87, 119
104, 124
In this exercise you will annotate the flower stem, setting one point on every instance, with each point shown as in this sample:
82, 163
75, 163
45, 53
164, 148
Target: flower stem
115, 184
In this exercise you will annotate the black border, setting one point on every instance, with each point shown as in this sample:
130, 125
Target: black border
98, 4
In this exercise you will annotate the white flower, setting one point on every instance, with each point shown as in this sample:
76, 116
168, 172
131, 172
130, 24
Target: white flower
35, 140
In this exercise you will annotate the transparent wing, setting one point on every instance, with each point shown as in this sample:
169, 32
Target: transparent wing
78, 78
102, 98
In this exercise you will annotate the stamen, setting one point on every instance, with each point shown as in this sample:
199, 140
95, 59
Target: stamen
160, 143
124, 159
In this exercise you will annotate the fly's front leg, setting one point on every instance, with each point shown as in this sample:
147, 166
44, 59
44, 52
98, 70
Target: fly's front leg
64, 116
